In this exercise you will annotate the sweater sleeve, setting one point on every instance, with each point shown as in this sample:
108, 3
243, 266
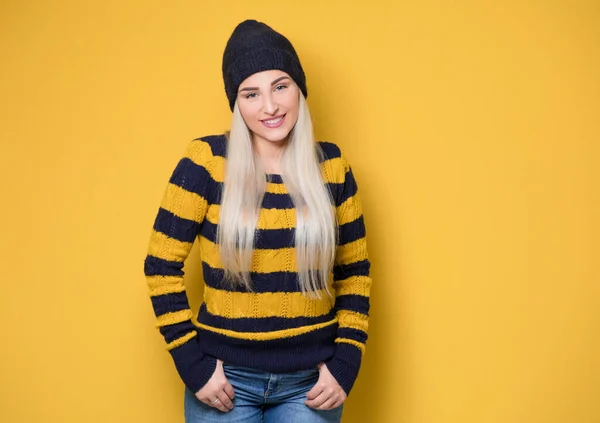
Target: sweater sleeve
352, 282
182, 210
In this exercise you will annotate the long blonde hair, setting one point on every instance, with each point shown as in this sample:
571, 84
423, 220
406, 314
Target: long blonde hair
244, 190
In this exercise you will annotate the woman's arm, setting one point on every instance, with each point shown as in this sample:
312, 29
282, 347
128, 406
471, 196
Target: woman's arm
182, 210
352, 282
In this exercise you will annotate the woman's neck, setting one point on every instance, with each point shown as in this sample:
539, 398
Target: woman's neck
269, 153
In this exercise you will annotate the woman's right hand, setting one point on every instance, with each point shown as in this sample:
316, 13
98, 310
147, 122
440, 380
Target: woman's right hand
217, 392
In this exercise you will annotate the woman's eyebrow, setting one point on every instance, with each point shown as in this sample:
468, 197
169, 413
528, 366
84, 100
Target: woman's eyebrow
279, 79
272, 83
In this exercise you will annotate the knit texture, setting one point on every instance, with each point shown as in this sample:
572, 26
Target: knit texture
274, 328
255, 47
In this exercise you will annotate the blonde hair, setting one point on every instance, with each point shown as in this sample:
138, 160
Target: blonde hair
243, 193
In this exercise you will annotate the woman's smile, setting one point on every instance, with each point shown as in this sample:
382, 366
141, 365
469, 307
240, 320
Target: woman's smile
275, 122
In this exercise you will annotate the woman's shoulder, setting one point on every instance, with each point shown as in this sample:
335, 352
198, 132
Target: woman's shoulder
333, 157
330, 150
205, 156
215, 144
334, 164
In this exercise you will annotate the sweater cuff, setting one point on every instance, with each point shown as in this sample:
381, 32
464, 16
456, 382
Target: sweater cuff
344, 365
194, 367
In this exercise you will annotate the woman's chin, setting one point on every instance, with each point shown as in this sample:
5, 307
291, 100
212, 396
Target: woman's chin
274, 138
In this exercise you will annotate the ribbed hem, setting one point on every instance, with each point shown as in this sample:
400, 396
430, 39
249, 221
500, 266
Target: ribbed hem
282, 355
194, 367
344, 365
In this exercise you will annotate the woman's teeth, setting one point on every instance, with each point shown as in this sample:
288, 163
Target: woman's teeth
274, 123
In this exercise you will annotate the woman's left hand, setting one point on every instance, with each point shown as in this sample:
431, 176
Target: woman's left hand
327, 393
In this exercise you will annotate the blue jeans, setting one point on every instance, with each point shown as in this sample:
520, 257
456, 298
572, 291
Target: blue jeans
262, 397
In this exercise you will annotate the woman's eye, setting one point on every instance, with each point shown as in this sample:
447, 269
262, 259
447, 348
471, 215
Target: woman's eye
251, 95
280, 87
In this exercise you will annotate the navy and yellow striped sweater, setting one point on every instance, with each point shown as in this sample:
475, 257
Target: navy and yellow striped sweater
274, 328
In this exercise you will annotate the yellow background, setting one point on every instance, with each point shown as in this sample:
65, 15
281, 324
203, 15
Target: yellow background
473, 129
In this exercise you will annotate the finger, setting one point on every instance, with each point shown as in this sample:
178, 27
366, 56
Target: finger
225, 400
336, 404
215, 403
328, 405
219, 405
315, 391
340, 401
320, 399
207, 402
229, 391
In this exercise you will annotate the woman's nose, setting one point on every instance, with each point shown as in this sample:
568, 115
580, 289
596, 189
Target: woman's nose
270, 105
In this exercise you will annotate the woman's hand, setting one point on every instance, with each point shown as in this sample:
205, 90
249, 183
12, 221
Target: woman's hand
217, 392
327, 393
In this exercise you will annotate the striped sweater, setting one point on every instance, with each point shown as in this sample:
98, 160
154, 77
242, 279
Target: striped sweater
274, 328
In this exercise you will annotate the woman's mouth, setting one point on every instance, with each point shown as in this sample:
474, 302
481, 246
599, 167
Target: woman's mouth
275, 122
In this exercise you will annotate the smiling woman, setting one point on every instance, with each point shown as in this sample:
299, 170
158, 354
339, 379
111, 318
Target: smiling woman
282, 329
269, 106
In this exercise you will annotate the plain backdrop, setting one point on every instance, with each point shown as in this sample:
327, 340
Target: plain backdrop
473, 128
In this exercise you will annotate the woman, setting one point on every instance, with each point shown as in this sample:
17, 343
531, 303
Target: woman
282, 329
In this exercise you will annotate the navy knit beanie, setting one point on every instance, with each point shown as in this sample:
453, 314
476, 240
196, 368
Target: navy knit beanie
255, 47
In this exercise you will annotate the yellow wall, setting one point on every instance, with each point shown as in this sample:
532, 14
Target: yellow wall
474, 133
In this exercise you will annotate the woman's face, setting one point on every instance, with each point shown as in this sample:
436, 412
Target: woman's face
268, 102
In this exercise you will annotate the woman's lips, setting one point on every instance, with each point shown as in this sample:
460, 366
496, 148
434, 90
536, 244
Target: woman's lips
274, 122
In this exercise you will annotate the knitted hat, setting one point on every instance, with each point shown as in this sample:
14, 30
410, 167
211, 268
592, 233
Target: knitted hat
255, 47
